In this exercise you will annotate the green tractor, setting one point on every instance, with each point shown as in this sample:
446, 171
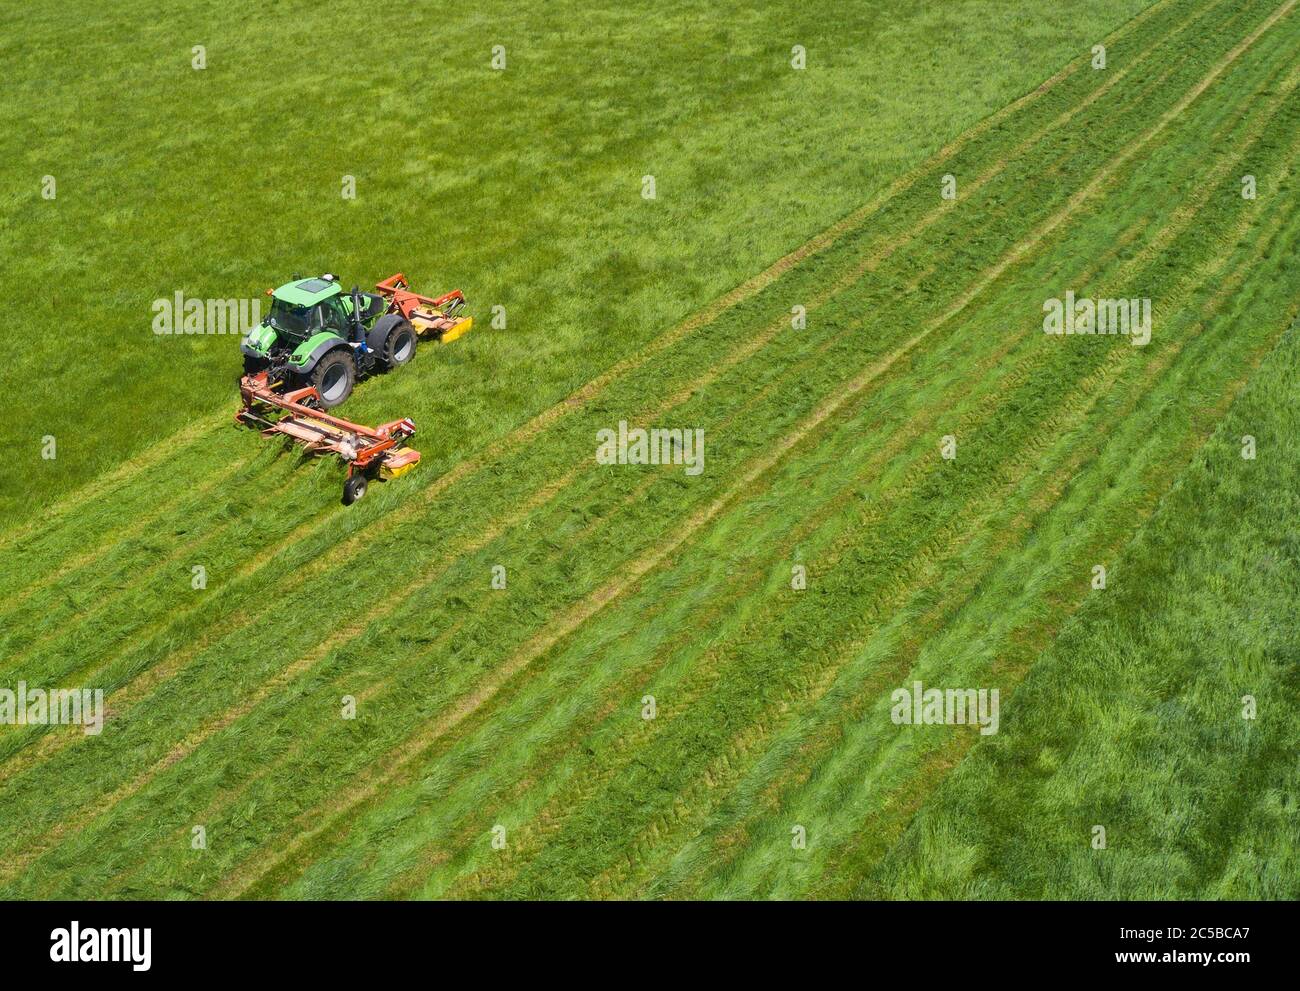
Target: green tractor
318, 335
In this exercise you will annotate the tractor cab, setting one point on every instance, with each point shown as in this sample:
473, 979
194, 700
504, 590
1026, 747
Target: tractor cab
307, 307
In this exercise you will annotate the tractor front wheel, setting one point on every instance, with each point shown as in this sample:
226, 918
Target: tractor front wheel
333, 377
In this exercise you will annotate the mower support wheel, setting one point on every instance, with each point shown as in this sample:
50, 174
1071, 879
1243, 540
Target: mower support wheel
354, 488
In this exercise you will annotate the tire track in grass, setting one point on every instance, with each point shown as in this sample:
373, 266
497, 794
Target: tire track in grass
412, 750
44, 740
104, 600
83, 553
104, 603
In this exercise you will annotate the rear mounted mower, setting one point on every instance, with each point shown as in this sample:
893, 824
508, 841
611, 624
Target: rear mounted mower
380, 452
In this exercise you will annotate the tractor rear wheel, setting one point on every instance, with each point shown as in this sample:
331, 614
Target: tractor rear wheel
333, 377
399, 346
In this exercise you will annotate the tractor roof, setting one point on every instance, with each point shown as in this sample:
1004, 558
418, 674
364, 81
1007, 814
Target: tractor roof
308, 292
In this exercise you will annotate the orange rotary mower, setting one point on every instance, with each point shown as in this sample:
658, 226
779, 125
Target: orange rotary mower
369, 452
304, 358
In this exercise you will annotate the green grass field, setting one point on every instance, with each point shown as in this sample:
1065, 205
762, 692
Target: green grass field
651, 707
